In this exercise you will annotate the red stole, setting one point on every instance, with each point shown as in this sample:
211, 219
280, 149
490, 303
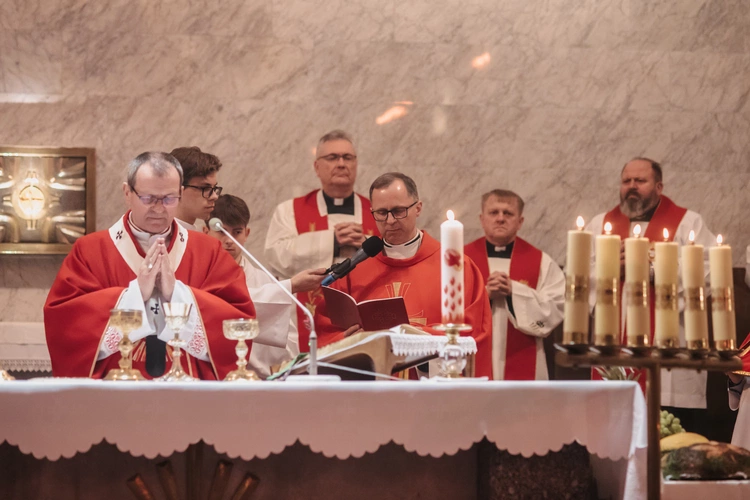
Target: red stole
525, 265
308, 219
667, 215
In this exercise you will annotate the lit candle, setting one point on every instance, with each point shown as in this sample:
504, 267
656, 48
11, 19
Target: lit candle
607, 271
666, 313
693, 282
452, 270
722, 295
576, 318
637, 319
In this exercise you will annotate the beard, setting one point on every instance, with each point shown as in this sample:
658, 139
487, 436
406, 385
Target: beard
636, 206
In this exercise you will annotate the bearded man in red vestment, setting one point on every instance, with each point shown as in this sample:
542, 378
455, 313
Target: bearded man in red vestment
642, 202
143, 261
409, 266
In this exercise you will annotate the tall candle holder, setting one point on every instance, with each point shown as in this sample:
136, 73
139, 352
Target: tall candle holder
452, 357
651, 360
125, 320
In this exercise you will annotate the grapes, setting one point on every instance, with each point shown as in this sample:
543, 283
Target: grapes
669, 424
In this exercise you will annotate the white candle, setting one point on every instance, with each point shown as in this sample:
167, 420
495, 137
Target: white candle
722, 292
607, 269
666, 314
693, 282
452, 270
576, 318
637, 318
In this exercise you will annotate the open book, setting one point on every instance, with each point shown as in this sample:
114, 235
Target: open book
371, 315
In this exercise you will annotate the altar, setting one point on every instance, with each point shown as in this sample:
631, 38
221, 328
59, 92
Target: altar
315, 440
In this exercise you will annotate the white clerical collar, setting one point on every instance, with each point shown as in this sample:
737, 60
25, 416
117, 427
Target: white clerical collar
405, 250
146, 239
186, 225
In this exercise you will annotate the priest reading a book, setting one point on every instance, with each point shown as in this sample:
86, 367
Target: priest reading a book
408, 267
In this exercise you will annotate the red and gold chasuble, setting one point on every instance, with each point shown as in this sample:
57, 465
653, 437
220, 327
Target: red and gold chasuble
97, 272
308, 219
667, 216
525, 265
417, 280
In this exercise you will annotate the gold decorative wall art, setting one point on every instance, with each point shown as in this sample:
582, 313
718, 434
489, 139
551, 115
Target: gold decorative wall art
47, 198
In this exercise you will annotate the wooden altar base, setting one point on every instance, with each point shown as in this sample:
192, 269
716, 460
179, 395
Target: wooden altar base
297, 473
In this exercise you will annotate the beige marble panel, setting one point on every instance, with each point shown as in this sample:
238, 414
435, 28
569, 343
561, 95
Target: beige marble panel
30, 14
310, 21
188, 17
31, 62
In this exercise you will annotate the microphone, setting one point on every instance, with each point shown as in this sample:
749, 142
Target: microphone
216, 225
370, 248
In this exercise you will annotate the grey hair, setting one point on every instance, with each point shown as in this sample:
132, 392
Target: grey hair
386, 180
161, 163
335, 135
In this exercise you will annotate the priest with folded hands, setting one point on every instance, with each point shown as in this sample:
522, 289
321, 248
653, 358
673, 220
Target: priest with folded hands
145, 260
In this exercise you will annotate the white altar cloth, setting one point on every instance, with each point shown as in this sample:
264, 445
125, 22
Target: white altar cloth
53, 418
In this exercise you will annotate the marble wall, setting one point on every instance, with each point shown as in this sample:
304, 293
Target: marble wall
546, 97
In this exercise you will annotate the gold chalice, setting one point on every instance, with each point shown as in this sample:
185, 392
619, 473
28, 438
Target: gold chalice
125, 320
176, 315
5, 376
241, 330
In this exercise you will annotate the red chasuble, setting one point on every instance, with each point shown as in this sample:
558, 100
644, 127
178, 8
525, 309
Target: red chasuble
417, 280
745, 357
667, 215
94, 276
308, 219
525, 265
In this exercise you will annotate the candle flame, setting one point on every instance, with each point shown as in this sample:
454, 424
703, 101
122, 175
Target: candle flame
666, 234
637, 231
608, 228
579, 223
691, 237
719, 240
450, 215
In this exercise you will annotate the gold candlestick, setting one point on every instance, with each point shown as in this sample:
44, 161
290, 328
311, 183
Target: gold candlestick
176, 315
241, 330
125, 320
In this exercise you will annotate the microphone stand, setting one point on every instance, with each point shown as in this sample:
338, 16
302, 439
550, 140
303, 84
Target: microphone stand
312, 368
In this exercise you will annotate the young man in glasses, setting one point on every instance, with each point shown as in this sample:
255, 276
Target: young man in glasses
200, 183
143, 261
409, 267
526, 287
325, 226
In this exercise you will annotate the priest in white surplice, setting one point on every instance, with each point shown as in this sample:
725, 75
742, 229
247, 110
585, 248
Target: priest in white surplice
526, 288
325, 226
683, 392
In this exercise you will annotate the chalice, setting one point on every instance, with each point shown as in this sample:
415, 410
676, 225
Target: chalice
125, 320
241, 330
5, 376
176, 315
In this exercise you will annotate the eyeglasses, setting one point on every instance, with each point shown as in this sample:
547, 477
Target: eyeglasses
333, 157
397, 213
207, 191
148, 200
